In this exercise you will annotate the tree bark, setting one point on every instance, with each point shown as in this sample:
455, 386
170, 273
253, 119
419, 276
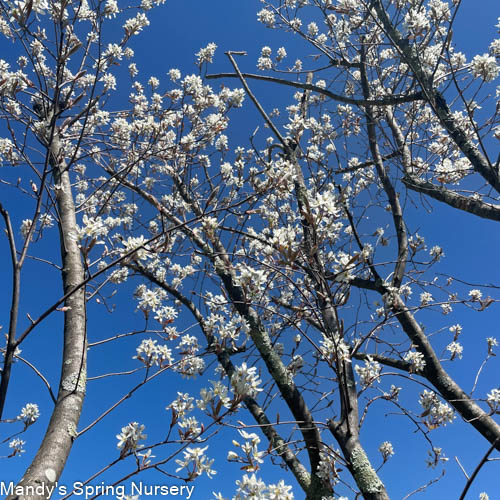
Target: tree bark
39, 479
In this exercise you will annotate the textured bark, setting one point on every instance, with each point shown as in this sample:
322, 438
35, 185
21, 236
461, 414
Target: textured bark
11, 347
455, 200
316, 490
359, 465
346, 432
276, 442
39, 479
434, 372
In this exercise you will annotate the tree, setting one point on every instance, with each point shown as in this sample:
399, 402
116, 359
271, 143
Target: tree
287, 273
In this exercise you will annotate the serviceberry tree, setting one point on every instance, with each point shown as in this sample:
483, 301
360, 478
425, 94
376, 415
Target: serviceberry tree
286, 273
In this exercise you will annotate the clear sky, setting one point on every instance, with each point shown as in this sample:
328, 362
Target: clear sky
178, 30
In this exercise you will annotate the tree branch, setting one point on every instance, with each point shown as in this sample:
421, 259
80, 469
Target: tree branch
383, 101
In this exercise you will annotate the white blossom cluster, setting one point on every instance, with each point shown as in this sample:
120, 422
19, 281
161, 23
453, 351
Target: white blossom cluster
211, 398
196, 463
368, 373
386, 449
416, 360
253, 487
129, 437
250, 454
493, 399
456, 349
29, 414
333, 350
206, 54
326, 469
245, 381
437, 413
182, 405
150, 353
485, 67
17, 446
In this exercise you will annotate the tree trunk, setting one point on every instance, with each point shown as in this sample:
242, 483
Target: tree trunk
39, 479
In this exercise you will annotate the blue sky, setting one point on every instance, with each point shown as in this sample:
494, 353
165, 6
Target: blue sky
178, 30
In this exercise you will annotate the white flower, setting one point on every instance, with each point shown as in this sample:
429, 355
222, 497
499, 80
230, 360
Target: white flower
436, 455
264, 63
368, 373
281, 54
111, 8
245, 381
250, 456
485, 67
174, 74
221, 143
493, 398
446, 308
132, 69
133, 26
326, 469
266, 51
297, 65
208, 397
38, 6
190, 428
153, 82
495, 47
425, 298
266, 17
416, 21
149, 299
456, 330
46, 220
436, 412
254, 488
196, 458
475, 295
25, 227
129, 437
132, 243
436, 252
152, 354
279, 491
17, 446
182, 405
438, 10
93, 227
206, 54
312, 29
109, 81
455, 349
492, 342
165, 315
29, 413
119, 275
386, 449
416, 359
113, 51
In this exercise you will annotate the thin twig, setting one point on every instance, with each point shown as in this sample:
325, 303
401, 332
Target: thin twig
477, 469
